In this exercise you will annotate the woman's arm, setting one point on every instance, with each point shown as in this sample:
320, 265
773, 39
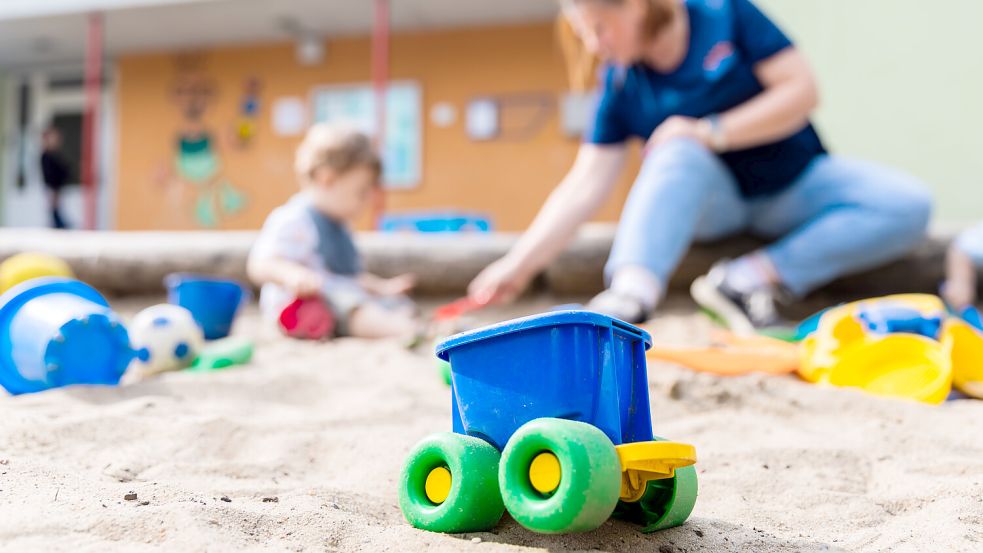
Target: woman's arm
577, 198
789, 98
781, 110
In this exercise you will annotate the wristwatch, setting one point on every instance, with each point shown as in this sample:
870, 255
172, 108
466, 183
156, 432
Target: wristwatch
718, 140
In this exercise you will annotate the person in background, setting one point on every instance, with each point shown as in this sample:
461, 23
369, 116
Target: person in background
965, 257
306, 249
56, 173
722, 99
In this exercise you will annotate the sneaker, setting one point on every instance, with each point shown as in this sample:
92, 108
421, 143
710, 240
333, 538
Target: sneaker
620, 306
745, 314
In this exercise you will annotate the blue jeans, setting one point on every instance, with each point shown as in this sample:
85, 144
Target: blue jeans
839, 217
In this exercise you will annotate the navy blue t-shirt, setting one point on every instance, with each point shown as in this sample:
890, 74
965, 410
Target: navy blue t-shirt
727, 39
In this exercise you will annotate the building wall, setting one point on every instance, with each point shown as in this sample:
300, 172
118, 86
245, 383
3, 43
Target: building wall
508, 178
901, 84
3, 140
899, 79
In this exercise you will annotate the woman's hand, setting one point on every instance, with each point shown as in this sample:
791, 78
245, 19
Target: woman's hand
500, 282
677, 127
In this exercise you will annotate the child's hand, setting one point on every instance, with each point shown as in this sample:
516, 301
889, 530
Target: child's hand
396, 286
959, 290
959, 294
304, 283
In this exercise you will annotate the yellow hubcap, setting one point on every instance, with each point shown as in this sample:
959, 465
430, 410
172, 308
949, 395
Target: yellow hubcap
544, 473
438, 485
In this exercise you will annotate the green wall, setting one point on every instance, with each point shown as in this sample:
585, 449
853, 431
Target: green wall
3, 138
902, 83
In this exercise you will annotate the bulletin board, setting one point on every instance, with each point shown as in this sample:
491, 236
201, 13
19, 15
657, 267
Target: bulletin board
355, 105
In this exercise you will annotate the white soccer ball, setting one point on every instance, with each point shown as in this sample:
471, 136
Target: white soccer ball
166, 338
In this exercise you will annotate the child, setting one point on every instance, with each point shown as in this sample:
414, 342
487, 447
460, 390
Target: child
965, 255
306, 249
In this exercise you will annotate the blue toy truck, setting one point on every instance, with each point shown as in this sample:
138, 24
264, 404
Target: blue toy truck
551, 422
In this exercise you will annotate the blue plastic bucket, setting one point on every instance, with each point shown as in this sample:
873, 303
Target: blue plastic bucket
573, 365
56, 332
213, 302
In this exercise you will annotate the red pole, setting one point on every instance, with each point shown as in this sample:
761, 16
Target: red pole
380, 80
380, 66
90, 119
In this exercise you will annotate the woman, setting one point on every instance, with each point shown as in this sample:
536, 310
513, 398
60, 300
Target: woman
723, 99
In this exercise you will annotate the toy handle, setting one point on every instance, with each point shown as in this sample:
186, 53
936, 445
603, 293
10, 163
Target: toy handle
247, 295
456, 309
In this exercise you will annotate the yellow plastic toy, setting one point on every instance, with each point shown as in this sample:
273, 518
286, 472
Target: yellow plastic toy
899, 365
644, 462
845, 352
967, 357
26, 266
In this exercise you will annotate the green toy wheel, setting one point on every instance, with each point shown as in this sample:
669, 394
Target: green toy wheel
666, 503
449, 484
560, 476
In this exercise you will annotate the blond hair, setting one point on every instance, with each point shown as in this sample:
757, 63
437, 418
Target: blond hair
582, 65
339, 148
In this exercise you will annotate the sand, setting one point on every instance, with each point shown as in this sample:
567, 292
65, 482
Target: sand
301, 451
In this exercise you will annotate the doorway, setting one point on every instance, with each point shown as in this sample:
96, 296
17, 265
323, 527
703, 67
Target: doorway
35, 101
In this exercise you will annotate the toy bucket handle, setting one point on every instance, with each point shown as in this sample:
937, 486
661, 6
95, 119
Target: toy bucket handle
247, 294
172, 280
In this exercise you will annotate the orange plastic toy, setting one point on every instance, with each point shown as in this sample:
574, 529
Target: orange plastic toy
732, 355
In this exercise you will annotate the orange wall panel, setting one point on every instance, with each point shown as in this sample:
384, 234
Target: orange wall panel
507, 178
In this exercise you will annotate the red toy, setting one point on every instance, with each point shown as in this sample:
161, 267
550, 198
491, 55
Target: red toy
456, 309
307, 319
